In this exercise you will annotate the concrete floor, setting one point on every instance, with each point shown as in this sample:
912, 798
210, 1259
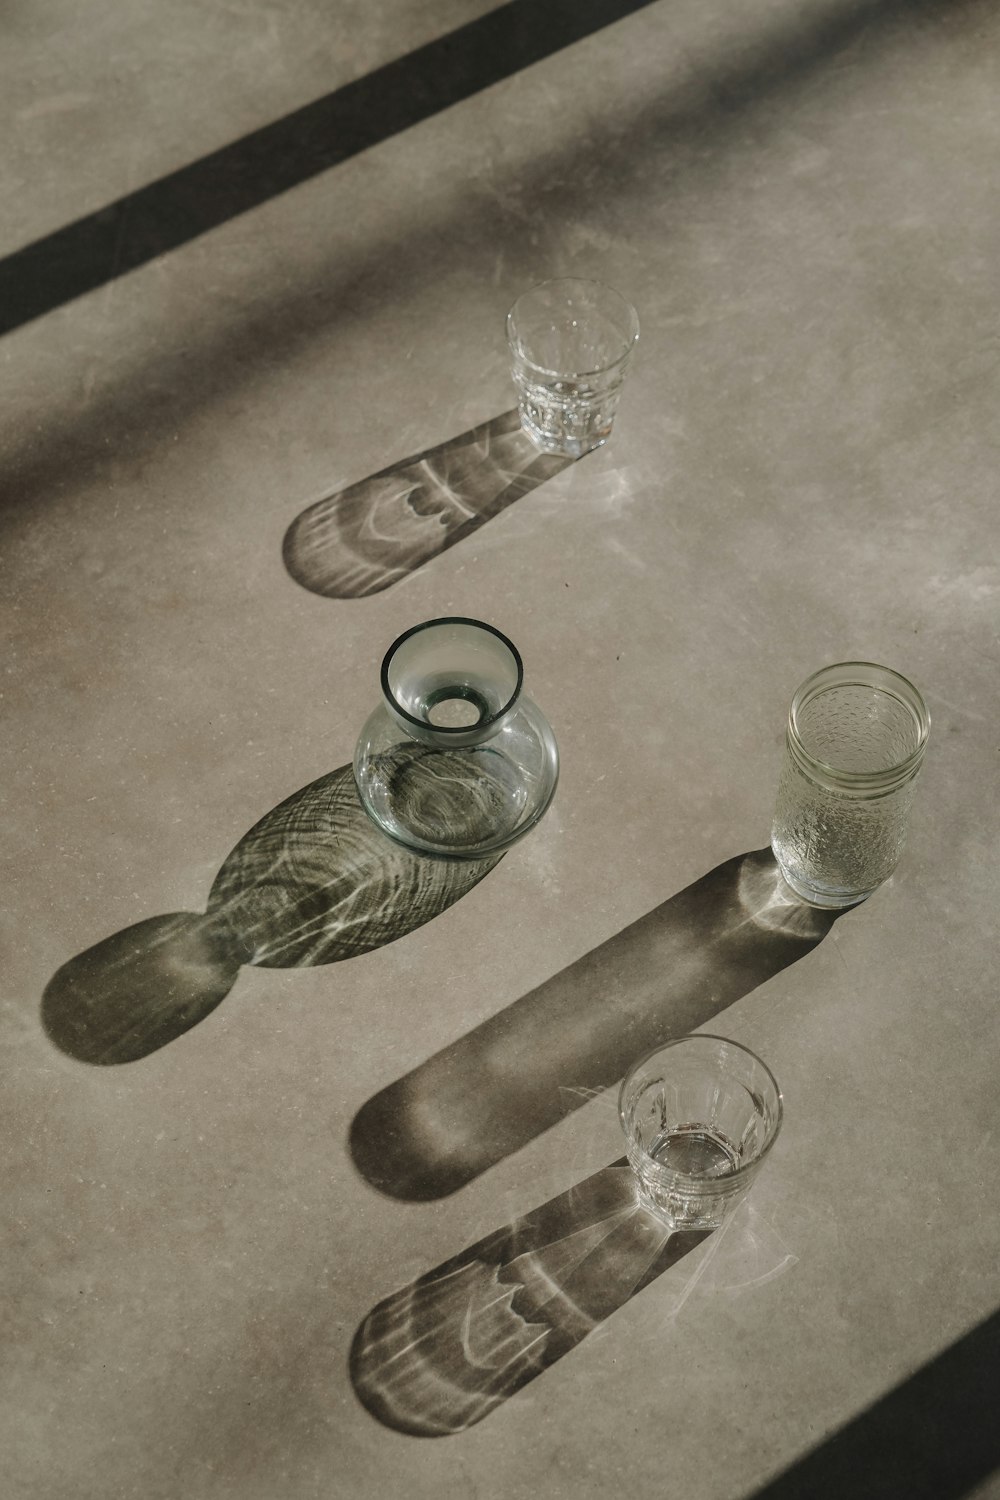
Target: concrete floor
802, 202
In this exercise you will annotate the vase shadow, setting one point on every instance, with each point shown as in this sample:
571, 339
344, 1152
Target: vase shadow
492, 1091
361, 539
314, 882
442, 1353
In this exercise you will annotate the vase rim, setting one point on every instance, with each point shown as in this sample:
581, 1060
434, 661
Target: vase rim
455, 733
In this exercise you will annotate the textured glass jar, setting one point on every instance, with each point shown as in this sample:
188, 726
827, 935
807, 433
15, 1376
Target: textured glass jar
854, 746
455, 761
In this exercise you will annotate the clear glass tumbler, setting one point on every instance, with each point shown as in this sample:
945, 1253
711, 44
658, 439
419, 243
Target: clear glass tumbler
854, 746
570, 344
455, 760
699, 1117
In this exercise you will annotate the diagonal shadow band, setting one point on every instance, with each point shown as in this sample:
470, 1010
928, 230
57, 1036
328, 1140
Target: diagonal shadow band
168, 382
364, 538
210, 191
935, 1436
442, 1353
495, 1089
314, 882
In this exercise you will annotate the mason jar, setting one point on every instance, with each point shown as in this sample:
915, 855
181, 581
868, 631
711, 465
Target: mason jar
855, 743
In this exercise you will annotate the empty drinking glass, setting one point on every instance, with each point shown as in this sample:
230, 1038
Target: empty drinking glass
854, 746
699, 1116
570, 344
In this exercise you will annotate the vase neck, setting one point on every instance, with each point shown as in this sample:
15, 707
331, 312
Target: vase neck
452, 682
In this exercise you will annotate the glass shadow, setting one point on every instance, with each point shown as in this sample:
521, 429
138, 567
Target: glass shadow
498, 1087
366, 537
314, 882
440, 1354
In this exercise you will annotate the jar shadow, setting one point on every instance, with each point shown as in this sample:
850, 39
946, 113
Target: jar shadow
492, 1091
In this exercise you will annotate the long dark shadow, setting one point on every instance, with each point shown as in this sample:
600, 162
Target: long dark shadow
361, 539
314, 882
934, 1437
443, 1352
159, 391
175, 209
498, 1087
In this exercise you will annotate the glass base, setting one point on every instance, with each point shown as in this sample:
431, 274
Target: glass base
563, 446
813, 895
679, 1212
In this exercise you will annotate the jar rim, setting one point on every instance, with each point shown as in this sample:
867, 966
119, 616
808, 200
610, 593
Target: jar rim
882, 679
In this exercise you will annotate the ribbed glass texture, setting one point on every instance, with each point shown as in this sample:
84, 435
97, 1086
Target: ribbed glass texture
699, 1117
570, 344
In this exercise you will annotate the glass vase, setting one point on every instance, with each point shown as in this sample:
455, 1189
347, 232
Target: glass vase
455, 761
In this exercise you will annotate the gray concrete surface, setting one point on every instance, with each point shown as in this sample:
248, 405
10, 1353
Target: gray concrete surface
802, 201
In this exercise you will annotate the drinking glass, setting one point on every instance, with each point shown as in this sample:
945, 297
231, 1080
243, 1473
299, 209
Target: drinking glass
853, 749
699, 1117
570, 344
